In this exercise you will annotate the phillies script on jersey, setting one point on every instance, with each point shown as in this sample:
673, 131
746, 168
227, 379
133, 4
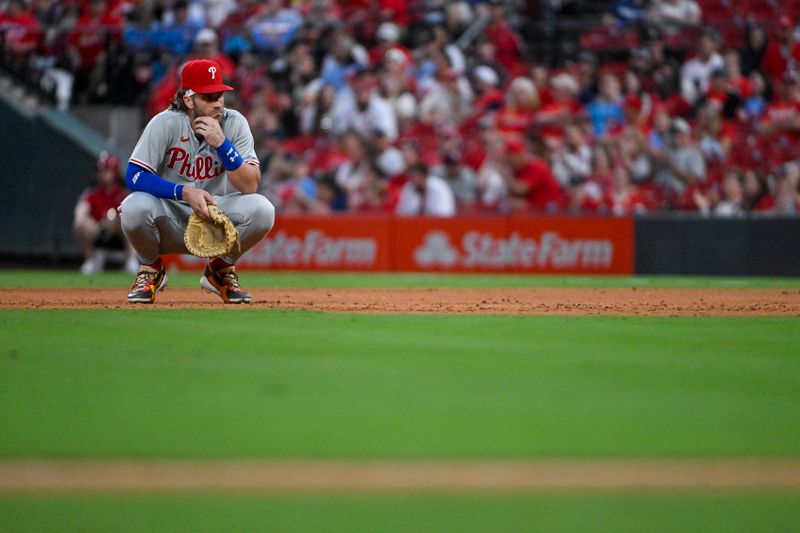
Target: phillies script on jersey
204, 168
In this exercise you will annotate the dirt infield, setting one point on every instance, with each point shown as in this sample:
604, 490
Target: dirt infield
612, 301
403, 475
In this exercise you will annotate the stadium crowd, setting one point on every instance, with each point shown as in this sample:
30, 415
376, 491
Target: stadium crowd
438, 107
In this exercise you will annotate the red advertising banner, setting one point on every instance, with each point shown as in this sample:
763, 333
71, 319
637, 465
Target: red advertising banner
571, 245
317, 243
463, 244
435, 244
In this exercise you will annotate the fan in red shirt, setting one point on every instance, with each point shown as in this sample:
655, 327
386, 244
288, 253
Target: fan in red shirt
624, 198
782, 116
782, 55
562, 109
96, 222
89, 36
506, 42
521, 104
531, 184
20, 29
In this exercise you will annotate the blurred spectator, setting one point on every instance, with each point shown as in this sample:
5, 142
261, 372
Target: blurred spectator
756, 103
344, 60
752, 54
363, 109
682, 167
97, 27
757, 196
485, 54
520, 108
449, 100
732, 202
633, 156
559, 111
425, 194
781, 119
460, 178
22, 33
572, 162
591, 195
206, 45
388, 37
293, 190
504, 38
624, 197
216, 11
489, 98
740, 84
671, 15
782, 54
531, 185
388, 158
605, 111
722, 95
714, 135
357, 176
787, 189
177, 29
696, 72
273, 26
316, 109
96, 223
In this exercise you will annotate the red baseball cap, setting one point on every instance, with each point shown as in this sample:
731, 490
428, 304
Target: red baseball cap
203, 76
515, 145
107, 161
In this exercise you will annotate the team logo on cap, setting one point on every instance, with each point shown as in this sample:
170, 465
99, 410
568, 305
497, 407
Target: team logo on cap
213, 71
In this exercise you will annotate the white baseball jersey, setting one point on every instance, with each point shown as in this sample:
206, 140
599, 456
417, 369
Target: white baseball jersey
169, 148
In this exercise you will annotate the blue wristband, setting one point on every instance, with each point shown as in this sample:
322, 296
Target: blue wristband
231, 159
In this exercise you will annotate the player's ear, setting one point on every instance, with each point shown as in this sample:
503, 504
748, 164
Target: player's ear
188, 101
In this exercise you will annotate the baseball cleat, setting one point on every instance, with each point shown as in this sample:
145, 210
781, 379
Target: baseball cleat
148, 282
225, 284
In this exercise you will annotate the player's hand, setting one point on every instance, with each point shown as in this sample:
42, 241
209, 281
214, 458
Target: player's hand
199, 199
210, 129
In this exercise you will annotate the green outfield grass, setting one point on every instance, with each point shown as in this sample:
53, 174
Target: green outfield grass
45, 278
681, 512
273, 383
255, 382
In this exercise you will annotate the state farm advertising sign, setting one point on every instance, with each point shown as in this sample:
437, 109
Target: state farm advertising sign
524, 244
317, 243
464, 244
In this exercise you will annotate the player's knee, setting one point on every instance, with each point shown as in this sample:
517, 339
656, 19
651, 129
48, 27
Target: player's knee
263, 213
137, 210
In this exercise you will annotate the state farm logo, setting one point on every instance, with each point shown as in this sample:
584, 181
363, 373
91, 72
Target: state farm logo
314, 248
436, 251
482, 250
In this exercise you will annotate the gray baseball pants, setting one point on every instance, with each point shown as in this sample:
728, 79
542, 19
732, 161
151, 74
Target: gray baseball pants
155, 226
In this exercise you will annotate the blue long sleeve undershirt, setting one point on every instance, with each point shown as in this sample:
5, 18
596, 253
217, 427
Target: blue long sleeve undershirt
138, 178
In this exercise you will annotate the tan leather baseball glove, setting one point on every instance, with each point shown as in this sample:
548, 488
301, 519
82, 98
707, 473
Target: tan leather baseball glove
213, 238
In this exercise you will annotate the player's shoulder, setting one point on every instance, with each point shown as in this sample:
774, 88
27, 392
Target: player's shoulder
168, 117
234, 117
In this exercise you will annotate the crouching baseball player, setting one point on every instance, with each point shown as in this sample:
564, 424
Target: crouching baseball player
193, 154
